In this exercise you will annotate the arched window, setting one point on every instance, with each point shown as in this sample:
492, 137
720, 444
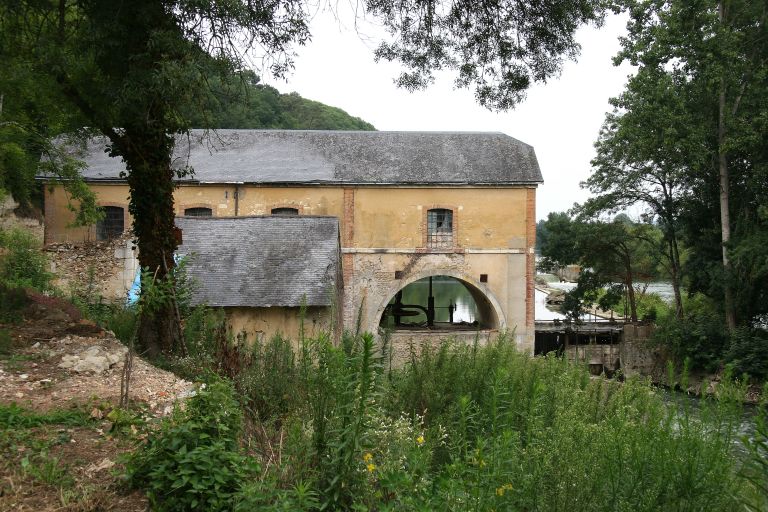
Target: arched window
440, 228
198, 212
113, 223
285, 211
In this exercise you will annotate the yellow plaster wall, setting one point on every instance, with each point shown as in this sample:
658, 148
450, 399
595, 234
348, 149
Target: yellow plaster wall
263, 323
383, 217
219, 198
58, 216
308, 200
485, 218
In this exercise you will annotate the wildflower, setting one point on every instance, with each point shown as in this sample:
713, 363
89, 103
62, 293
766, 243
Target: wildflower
420, 440
367, 457
504, 488
371, 467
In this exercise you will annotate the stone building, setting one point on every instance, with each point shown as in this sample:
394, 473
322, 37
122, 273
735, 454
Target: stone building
409, 205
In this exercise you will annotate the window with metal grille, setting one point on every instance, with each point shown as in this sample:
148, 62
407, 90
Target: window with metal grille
285, 211
198, 212
113, 223
440, 228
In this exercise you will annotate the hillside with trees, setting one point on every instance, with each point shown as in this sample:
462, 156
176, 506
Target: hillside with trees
243, 101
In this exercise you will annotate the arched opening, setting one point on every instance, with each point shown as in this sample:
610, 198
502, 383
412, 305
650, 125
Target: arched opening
440, 302
198, 212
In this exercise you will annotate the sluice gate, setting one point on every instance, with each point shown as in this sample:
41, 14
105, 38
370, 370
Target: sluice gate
596, 344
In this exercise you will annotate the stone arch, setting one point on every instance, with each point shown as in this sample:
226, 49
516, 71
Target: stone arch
478, 290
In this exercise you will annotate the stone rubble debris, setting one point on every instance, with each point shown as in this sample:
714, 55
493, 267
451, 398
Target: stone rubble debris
94, 359
81, 369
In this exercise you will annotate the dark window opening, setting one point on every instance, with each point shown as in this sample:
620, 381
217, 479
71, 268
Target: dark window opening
285, 211
113, 223
440, 228
198, 212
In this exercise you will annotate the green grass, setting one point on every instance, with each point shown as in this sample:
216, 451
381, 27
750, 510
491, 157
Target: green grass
461, 427
12, 416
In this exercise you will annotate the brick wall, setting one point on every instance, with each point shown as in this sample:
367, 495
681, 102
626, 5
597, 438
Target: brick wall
530, 267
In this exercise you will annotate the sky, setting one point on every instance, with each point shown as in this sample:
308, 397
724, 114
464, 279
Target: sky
560, 119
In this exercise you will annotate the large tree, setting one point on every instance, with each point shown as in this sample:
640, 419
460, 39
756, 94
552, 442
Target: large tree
718, 50
649, 145
131, 68
614, 256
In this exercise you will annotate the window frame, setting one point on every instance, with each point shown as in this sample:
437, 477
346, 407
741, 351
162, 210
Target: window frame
284, 211
199, 209
106, 227
437, 236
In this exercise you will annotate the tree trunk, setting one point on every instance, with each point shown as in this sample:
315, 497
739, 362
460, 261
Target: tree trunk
725, 216
629, 282
675, 271
148, 154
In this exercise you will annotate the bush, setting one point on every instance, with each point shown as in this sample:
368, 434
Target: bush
193, 461
700, 337
12, 301
23, 265
748, 352
461, 427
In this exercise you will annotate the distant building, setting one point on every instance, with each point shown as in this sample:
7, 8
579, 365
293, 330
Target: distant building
291, 208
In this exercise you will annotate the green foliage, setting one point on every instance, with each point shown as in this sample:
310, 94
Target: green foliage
47, 469
650, 306
613, 256
755, 470
748, 352
499, 48
694, 111
12, 301
6, 342
270, 366
241, 101
460, 427
12, 416
700, 337
23, 265
193, 461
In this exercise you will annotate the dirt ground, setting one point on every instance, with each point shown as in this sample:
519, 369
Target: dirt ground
72, 468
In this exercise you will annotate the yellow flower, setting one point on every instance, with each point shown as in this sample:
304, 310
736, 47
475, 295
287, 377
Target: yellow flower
499, 491
367, 457
420, 440
371, 467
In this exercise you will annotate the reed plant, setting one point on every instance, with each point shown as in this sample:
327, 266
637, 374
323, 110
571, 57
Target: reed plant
471, 427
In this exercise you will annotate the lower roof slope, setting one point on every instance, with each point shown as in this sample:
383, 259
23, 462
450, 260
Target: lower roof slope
261, 261
337, 157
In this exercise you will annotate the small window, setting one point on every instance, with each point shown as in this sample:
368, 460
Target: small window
113, 223
440, 228
198, 212
285, 211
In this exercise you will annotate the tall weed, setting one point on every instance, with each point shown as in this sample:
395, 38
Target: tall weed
464, 427
23, 264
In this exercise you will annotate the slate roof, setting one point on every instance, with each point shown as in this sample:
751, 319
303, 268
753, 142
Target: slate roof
261, 261
340, 157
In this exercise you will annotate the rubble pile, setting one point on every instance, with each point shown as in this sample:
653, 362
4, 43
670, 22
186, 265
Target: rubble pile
79, 369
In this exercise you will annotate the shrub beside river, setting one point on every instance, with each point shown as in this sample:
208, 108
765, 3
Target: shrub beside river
458, 428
